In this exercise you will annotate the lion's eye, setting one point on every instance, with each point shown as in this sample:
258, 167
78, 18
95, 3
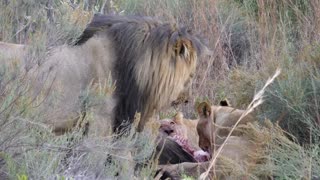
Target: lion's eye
172, 123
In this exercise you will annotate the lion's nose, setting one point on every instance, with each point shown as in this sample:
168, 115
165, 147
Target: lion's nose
169, 131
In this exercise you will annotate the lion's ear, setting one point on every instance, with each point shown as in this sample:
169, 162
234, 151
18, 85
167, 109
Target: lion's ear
204, 109
224, 102
178, 118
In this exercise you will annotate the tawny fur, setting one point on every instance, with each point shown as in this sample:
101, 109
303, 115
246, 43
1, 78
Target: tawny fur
68, 73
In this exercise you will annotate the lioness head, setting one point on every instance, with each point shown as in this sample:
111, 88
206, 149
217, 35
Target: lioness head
183, 132
215, 123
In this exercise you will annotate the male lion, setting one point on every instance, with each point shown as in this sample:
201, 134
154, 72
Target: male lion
154, 63
151, 62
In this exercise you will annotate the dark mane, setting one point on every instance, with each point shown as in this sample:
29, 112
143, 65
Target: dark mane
102, 22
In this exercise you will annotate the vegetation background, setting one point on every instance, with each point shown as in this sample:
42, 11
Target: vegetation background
250, 40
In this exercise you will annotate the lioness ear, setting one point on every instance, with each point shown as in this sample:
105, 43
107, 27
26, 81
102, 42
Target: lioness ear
224, 102
178, 118
204, 109
183, 48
